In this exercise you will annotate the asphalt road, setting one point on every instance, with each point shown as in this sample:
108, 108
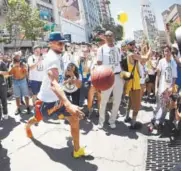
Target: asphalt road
121, 149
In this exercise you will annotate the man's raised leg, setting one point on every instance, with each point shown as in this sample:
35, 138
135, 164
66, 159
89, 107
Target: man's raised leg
35, 119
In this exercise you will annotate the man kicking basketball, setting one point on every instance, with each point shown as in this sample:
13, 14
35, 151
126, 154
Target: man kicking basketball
52, 99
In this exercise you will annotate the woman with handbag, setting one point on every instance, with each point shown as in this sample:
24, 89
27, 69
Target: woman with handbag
72, 83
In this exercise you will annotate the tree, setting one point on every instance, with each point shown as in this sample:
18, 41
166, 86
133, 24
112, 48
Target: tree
116, 29
173, 27
23, 22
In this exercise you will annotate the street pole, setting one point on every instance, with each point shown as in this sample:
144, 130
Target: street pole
60, 20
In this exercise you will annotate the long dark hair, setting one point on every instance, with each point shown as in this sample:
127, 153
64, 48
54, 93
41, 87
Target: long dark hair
76, 72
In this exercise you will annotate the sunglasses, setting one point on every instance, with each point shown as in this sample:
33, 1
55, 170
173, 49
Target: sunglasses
108, 35
132, 44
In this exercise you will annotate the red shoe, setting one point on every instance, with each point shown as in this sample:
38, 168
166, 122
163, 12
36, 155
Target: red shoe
150, 128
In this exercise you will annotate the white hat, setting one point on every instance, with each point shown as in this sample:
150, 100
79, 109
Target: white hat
19, 53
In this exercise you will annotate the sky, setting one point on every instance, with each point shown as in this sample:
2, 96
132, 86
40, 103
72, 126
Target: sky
132, 8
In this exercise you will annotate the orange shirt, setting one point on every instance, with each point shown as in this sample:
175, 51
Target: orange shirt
18, 72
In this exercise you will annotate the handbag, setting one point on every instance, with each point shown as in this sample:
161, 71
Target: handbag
131, 75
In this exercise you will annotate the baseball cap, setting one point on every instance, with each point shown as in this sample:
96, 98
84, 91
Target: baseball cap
56, 36
36, 47
108, 33
123, 43
129, 41
19, 53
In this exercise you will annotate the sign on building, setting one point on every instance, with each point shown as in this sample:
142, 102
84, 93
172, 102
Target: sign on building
69, 9
68, 37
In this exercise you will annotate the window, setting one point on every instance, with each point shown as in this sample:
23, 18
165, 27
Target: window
47, 1
45, 13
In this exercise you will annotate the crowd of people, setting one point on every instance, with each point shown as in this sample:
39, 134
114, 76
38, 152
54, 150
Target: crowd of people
58, 77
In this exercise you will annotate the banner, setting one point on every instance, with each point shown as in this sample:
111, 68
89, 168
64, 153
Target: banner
69, 9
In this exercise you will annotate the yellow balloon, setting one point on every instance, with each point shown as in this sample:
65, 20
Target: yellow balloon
123, 17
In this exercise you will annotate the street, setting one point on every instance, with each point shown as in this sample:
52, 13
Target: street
51, 150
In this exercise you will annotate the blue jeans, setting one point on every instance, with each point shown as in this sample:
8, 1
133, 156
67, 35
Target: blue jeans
20, 88
161, 111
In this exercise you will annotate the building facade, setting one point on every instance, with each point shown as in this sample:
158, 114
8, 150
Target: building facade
171, 16
91, 17
105, 13
139, 36
50, 13
149, 23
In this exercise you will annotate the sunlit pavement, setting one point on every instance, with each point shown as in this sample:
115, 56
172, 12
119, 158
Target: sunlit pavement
121, 149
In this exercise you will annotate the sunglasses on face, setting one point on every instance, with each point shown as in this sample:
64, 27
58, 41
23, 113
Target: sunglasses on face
132, 44
108, 35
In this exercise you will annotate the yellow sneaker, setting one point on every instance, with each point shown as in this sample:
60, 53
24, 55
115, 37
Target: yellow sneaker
61, 117
81, 153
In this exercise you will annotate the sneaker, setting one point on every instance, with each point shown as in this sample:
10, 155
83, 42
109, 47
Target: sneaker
127, 120
113, 126
18, 111
5, 117
82, 152
100, 126
136, 125
90, 113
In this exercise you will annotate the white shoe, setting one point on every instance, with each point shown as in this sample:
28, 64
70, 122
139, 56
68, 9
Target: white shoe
113, 126
5, 117
100, 126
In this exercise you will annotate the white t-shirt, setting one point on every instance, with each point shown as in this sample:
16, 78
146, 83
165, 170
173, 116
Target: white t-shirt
37, 73
168, 73
71, 88
52, 61
110, 56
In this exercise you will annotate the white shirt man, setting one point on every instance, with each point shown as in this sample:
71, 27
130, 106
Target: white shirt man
166, 78
168, 72
109, 55
36, 72
52, 61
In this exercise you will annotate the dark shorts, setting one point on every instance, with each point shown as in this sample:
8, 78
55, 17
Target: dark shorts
152, 79
53, 110
35, 86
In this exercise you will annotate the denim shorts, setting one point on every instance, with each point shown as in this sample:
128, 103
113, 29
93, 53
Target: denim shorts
20, 88
53, 110
35, 86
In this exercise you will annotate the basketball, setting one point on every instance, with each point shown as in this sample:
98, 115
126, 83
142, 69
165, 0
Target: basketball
102, 78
